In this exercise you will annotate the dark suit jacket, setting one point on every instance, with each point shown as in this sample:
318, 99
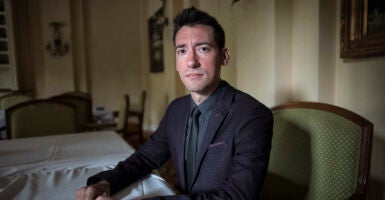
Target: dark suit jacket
233, 158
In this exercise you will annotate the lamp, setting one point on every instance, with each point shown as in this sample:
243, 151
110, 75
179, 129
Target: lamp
56, 46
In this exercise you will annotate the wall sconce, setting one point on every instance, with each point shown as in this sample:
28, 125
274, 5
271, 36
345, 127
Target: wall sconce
234, 2
56, 46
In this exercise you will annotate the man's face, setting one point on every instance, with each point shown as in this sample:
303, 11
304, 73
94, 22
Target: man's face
198, 59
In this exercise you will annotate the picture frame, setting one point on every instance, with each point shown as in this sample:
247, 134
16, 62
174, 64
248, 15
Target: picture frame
362, 28
155, 26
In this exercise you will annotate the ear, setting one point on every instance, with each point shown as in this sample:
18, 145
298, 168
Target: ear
225, 56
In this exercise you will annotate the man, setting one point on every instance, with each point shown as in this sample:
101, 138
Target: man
222, 152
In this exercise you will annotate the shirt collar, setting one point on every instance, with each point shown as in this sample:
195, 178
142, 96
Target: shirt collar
209, 103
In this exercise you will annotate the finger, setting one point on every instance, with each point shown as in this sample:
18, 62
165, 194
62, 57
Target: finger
80, 193
102, 197
91, 193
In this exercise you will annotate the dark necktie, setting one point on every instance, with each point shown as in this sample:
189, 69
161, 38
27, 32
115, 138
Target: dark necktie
192, 147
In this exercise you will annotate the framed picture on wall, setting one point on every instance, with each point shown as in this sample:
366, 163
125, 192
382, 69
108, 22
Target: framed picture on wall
155, 26
362, 28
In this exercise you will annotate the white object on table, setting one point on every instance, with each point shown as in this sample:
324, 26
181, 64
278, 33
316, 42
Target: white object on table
103, 116
53, 167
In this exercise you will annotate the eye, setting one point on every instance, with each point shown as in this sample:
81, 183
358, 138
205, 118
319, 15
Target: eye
204, 49
180, 51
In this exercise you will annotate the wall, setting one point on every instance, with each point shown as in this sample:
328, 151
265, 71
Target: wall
37, 69
359, 86
114, 51
165, 86
255, 49
223, 11
26, 15
104, 56
58, 70
283, 51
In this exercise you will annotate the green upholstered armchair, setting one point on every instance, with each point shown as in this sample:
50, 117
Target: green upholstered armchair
39, 118
12, 99
319, 151
83, 107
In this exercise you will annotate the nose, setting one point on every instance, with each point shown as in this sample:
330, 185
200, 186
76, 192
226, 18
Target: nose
192, 60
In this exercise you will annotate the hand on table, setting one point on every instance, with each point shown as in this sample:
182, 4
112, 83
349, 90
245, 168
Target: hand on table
98, 191
104, 197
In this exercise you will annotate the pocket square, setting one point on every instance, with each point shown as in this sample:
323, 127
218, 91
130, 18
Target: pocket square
217, 143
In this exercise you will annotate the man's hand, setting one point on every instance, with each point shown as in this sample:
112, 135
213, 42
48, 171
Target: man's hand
100, 189
104, 197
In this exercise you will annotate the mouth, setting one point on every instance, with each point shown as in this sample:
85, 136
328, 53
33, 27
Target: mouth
194, 75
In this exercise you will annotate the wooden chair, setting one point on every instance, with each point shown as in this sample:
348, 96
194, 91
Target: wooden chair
127, 122
39, 118
135, 120
121, 116
130, 122
83, 107
319, 151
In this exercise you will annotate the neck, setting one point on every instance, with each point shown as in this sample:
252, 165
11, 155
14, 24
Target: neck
199, 97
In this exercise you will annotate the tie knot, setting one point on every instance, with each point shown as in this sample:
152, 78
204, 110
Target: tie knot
196, 113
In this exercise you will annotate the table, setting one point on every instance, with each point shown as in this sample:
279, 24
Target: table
53, 167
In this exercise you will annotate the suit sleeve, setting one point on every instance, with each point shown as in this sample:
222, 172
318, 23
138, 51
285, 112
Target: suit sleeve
151, 155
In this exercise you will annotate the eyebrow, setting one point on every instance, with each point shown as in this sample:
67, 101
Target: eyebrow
197, 44
180, 46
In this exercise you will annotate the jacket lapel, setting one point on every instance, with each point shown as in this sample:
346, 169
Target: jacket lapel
179, 137
218, 115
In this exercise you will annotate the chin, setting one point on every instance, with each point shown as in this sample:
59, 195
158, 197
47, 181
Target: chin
193, 87
194, 90
199, 90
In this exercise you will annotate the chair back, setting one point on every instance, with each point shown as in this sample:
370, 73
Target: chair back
139, 114
12, 99
135, 120
79, 93
319, 151
122, 115
83, 106
143, 102
130, 122
39, 118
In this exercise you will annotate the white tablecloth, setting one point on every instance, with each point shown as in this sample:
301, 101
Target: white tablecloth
54, 167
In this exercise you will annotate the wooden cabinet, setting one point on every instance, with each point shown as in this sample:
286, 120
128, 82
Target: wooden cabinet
8, 78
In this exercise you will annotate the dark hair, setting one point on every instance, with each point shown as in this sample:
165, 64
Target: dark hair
192, 16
